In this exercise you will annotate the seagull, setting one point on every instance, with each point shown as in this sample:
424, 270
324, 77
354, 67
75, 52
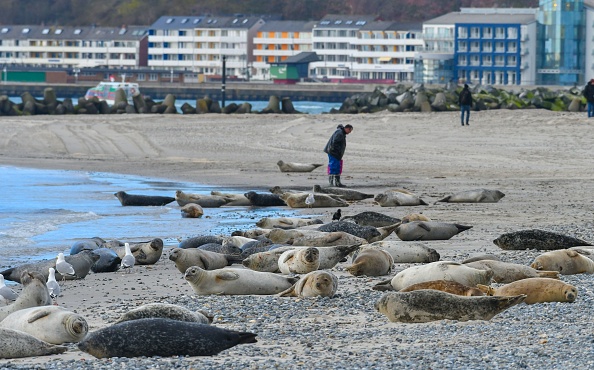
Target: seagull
337, 215
52, 285
128, 260
5, 292
310, 200
64, 268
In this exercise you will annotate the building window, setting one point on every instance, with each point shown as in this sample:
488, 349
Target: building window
153, 77
487, 33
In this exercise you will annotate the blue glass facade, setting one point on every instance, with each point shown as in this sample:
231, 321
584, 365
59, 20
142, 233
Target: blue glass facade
560, 47
488, 53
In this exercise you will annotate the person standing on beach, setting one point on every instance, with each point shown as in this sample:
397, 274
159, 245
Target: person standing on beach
465, 100
589, 95
335, 149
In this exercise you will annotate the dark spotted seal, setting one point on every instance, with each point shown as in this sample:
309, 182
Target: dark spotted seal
365, 232
346, 194
161, 337
165, 311
16, 344
82, 263
374, 219
264, 199
142, 200
537, 239
108, 261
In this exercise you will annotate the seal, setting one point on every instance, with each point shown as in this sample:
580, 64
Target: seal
299, 261
365, 232
34, 294
322, 239
81, 262
236, 281
204, 201
474, 196
313, 284
222, 249
142, 200
481, 257
86, 244
185, 258
537, 239
51, 324
407, 252
233, 200
252, 233
255, 246
196, 241
537, 290
286, 222
297, 167
371, 262
398, 198
16, 344
264, 200
145, 253
384, 231
429, 230
161, 337
264, 261
165, 311
415, 217
565, 261
268, 261
374, 219
346, 194
108, 261
432, 305
441, 270
451, 287
299, 200
192, 210
505, 272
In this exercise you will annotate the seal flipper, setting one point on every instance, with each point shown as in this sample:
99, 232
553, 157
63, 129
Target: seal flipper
39, 315
290, 292
227, 275
245, 337
383, 286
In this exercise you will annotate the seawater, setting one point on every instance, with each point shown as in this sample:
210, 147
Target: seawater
43, 212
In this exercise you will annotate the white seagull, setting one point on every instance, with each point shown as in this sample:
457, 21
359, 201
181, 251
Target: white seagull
64, 268
5, 292
52, 285
128, 260
310, 200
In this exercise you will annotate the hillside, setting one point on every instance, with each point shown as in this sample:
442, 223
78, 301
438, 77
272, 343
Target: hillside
145, 12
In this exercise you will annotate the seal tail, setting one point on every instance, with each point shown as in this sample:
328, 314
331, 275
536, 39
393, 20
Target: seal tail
506, 302
234, 258
462, 227
548, 274
383, 286
245, 337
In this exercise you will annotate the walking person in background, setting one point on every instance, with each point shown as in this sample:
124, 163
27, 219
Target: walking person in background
589, 95
465, 100
335, 150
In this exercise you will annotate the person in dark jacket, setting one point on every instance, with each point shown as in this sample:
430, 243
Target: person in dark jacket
465, 100
335, 150
589, 95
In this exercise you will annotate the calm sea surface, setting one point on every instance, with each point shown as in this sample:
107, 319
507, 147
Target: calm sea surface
43, 212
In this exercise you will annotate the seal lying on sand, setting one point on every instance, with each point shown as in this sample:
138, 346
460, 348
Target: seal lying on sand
451, 287
299, 200
81, 262
34, 294
474, 196
365, 232
297, 167
264, 199
406, 252
165, 311
147, 253
185, 258
374, 219
161, 337
566, 261
371, 262
504, 272
429, 230
287, 222
16, 344
537, 290
204, 201
432, 305
398, 197
346, 194
537, 239
313, 284
142, 200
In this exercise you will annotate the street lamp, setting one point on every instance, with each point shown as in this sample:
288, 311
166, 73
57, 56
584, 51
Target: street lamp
76, 72
171, 76
5, 74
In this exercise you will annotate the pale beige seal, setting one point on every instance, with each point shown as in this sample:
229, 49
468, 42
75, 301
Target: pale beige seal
440, 270
286, 222
406, 252
537, 290
313, 238
432, 305
314, 284
236, 281
474, 196
233, 200
297, 167
372, 262
398, 198
566, 261
185, 258
299, 261
268, 261
298, 200
192, 210
415, 217
51, 324
451, 287
505, 272
205, 201
16, 344
34, 294
429, 230
147, 253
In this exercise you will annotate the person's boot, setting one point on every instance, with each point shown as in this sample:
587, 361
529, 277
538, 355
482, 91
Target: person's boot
331, 180
338, 183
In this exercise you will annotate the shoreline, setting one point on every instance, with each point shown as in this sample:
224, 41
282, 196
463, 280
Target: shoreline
539, 159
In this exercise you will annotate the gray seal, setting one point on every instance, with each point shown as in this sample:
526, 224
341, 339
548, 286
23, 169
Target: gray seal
474, 196
204, 201
431, 305
108, 261
142, 200
86, 244
264, 199
374, 219
16, 344
297, 167
161, 337
185, 258
429, 230
537, 239
196, 241
346, 194
81, 262
365, 232
165, 311
145, 253
35, 293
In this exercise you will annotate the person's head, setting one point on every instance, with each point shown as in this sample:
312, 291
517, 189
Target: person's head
465, 86
348, 129
592, 81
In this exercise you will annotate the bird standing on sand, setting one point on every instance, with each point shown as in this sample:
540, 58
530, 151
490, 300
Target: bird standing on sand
64, 268
52, 285
5, 292
128, 260
310, 200
337, 215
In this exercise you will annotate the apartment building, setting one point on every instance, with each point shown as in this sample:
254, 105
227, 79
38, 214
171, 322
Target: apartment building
198, 44
73, 47
276, 41
480, 45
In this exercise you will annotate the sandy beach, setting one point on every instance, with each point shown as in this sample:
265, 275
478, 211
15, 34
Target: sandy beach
541, 160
